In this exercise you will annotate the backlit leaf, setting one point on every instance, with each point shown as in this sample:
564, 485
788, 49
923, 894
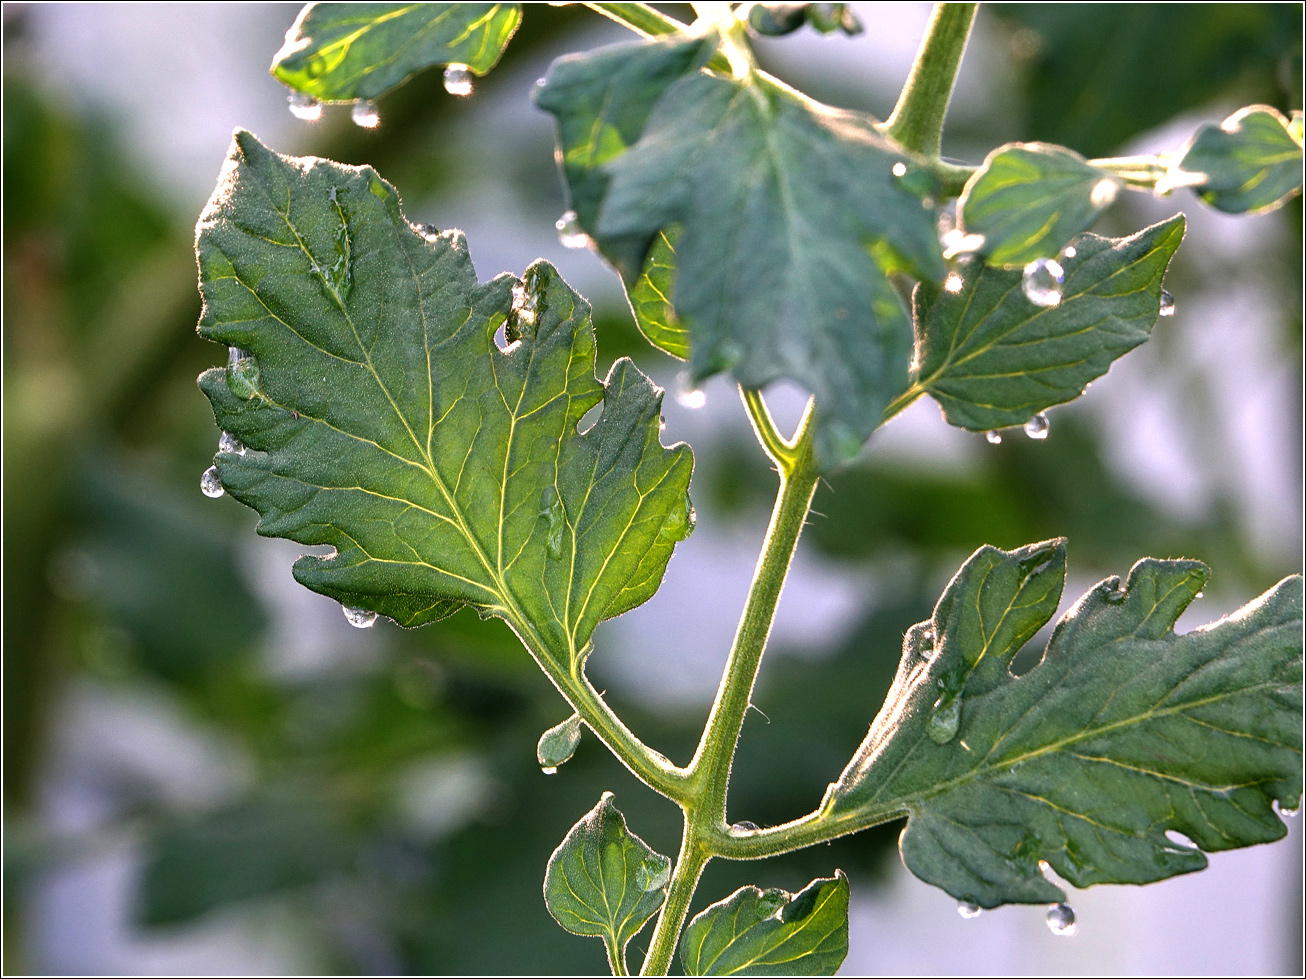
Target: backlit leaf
771, 932
991, 358
604, 881
792, 215
1030, 199
1252, 162
348, 51
1123, 733
380, 417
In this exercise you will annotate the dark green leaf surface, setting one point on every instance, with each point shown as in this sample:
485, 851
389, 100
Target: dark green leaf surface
604, 881
991, 358
348, 51
1123, 732
771, 932
1029, 199
1251, 161
791, 216
382, 419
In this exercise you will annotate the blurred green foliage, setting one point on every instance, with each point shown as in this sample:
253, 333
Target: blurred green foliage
117, 573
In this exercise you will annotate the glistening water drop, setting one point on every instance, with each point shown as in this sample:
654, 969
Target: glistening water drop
570, 232
304, 106
459, 80
211, 484
359, 618
365, 114
1038, 426
1042, 282
1061, 919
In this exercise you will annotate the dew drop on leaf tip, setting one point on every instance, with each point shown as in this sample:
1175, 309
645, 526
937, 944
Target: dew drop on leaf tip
689, 397
900, 169
570, 233
211, 484
993, 438
458, 80
1167, 304
229, 443
550, 770
1042, 282
1061, 919
365, 114
968, 910
359, 618
1038, 426
304, 106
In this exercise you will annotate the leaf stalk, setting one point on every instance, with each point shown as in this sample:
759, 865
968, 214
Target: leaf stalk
917, 119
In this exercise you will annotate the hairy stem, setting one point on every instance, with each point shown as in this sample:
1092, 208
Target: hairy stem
917, 120
649, 766
710, 767
693, 857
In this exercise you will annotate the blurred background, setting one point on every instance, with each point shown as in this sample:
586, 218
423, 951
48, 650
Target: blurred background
206, 770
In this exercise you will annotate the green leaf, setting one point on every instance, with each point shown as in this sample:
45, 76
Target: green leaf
991, 358
558, 744
771, 933
650, 297
601, 101
349, 51
792, 216
381, 418
604, 881
1252, 162
1122, 733
1030, 199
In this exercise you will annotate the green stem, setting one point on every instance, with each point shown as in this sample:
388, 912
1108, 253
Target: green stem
649, 766
692, 859
639, 17
917, 120
647, 22
710, 767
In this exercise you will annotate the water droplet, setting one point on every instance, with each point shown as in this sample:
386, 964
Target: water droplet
359, 618
551, 770
952, 283
744, 827
688, 397
1070, 251
304, 106
365, 114
900, 169
459, 80
1061, 919
771, 901
944, 719
558, 744
1042, 282
1103, 193
993, 438
1037, 427
1289, 813
570, 233
1167, 304
229, 443
1199, 594
654, 873
968, 910
552, 512
956, 242
210, 483
428, 231
242, 374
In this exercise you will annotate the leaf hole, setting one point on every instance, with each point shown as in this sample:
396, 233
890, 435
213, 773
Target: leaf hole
589, 419
1179, 840
501, 339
